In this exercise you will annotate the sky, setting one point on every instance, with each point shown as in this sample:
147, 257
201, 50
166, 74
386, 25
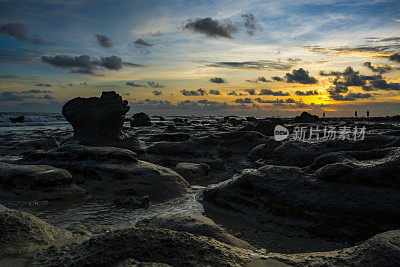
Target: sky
176, 57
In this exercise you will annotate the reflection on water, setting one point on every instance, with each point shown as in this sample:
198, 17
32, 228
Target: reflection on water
104, 216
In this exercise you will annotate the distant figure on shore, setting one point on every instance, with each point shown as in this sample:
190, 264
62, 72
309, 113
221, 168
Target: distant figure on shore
323, 114
355, 114
367, 113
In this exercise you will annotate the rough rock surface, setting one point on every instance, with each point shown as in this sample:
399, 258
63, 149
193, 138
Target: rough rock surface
266, 127
329, 210
192, 172
20, 119
380, 167
301, 154
37, 182
194, 224
148, 245
380, 250
140, 119
21, 232
110, 171
99, 121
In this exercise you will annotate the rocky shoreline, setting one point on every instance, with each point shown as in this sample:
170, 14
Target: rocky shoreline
266, 203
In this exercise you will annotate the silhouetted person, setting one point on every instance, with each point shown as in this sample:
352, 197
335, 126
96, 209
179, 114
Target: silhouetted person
323, 114
367, 113
355, 114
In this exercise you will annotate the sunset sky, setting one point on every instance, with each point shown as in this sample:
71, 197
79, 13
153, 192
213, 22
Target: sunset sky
264, 58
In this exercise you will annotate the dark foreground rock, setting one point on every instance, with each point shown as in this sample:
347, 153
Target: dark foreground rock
302, 154
140, 119
37, 182
194, 224
146, 245
111, 172
329, 210
99, 121
192, 172
22, 233
379, 167
380, 250
20, 119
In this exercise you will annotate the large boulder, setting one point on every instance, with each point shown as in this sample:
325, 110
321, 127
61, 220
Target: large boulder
21, 232
140, 119
306, 117
302, 154
98, 121
330, 210
380, 250
192, 172
110, 172
266, 127
194, 224
147, 245
379, 167
37, 182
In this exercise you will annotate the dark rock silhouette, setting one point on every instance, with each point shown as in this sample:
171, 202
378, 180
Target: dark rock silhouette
306, 117
20, 119
99, 121
326, 209
140, 119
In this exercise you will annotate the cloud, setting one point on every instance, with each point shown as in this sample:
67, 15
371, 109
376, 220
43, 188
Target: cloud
378, 69
259, 79
13, 96
372, 50
7, 76
268, 65
250, 91
36, 91
349, 77
311, 92
10, 96
276, 78
273, 93
43, 84
20, 32
250, 23
214, 92
244, 101
382, 85
154, 84
351, 97
157, 93
186, 105
218, 80
142, 43
395, 57
211, 28
300, 76
133, 84
198, 92
104, 41
84, 65
235, 93
275, 102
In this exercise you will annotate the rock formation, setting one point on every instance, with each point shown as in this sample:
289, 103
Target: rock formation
99, 121
140, 119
